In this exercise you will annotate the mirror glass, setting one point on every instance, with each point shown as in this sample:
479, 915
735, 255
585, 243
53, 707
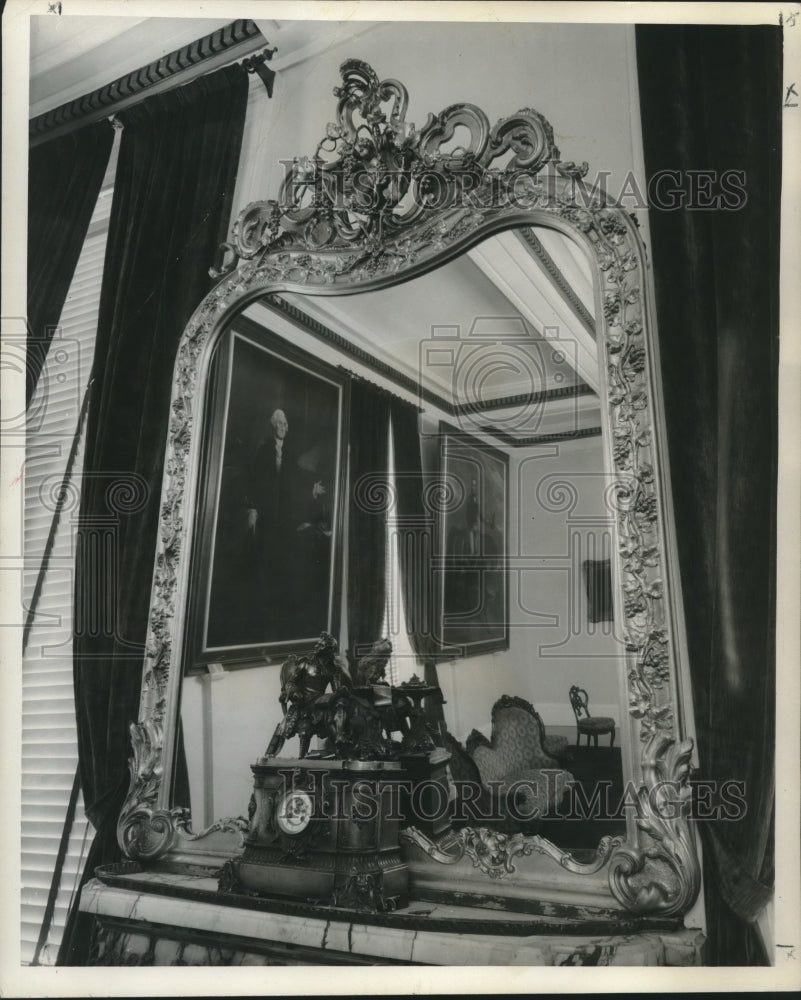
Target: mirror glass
498, 350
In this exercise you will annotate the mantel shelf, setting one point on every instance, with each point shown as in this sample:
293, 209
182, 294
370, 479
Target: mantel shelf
154, 912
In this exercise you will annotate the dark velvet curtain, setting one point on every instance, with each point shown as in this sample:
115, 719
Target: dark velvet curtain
711, 100
367, 519
64, 178
415, 525
177, 167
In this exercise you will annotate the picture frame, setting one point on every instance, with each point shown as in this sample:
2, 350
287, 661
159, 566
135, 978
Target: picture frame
472, 546
266, 576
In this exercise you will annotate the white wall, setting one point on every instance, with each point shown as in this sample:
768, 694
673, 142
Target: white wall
552, 644
555, 69
582, 77
564, 518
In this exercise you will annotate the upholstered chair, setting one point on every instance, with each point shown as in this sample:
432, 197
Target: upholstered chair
515, 758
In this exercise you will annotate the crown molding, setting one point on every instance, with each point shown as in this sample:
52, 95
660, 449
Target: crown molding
237, 39
558, 278
391, 374
507, 262
522, 398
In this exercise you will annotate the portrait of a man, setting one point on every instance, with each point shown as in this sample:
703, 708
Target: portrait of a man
288, 525
271, 581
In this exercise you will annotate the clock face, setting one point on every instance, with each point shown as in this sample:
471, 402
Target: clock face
294, 812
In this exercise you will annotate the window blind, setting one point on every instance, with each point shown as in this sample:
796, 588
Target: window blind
49, 741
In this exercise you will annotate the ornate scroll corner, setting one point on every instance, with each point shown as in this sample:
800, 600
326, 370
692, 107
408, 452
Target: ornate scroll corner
145, 833
237, 825
662, 876
493, 852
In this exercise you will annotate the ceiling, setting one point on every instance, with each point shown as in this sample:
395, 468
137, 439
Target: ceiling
499, 293
464, 336
73, 55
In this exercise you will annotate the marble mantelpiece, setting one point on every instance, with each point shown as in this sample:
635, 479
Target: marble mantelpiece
151, 921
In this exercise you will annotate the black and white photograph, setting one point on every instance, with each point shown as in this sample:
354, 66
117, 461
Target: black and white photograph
400, 470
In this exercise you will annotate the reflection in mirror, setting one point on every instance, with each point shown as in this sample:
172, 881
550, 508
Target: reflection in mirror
497, 349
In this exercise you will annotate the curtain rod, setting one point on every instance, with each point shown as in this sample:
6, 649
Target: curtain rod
241, 38
380, 388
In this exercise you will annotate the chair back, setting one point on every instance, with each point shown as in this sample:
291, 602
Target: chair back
516, 741
579, 703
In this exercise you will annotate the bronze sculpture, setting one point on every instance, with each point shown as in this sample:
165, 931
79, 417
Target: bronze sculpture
361, 712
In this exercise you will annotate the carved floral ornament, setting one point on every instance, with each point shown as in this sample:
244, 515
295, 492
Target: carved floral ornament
380, 202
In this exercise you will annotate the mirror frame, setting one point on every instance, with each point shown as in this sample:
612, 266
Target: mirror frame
508, 176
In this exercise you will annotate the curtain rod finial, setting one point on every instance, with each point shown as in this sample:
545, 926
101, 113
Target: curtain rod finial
257, 64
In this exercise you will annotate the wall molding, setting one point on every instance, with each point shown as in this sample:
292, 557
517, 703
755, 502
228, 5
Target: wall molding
522, 398
555, 272
538, 439
239, 38
314, 326
580, 432
325, 333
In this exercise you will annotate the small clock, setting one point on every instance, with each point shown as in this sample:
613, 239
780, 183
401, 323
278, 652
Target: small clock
295, 811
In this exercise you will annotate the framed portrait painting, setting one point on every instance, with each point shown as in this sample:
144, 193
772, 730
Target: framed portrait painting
266, 577
472, 546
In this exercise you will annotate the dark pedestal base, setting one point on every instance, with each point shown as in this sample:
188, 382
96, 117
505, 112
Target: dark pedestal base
324, 831
377, 881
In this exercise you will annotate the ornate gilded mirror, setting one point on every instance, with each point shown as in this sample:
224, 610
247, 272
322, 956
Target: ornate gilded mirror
384, 212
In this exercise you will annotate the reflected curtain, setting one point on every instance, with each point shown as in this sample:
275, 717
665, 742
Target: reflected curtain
367, 521
64, 179
173, 192
415, 528
711, 99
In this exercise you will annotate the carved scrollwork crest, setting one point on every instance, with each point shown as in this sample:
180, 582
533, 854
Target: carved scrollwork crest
374, 175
